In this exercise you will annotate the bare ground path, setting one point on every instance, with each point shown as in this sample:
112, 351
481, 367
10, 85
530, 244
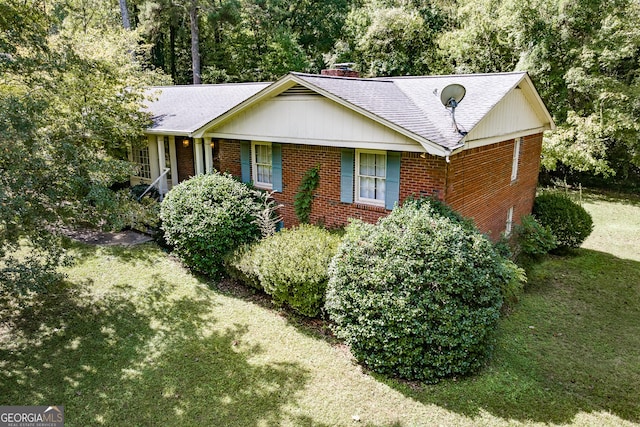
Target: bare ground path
122, 238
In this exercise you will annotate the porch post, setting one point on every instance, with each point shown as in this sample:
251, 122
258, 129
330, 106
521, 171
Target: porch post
197, 157
174, 160
208, 155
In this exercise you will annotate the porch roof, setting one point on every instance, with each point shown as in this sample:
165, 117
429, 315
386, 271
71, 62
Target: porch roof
180, 110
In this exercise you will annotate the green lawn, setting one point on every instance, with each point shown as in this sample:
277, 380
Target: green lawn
134, 339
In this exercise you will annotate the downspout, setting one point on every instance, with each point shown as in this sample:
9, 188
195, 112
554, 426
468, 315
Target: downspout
446, 174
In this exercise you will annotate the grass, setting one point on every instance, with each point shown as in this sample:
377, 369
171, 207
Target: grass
131, 338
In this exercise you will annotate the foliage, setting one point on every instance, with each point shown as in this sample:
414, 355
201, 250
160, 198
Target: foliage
389, 38
292, 266
569, 222
439, 208
206, 217
533, 239
303, 199
143, 190
417, 295
267, 218
583, 57
242, 265
70, 106
129, 213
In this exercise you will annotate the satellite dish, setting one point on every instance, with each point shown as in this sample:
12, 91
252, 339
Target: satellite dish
450, 98
452, 95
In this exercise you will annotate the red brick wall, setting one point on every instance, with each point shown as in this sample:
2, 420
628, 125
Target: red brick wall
480, 187
184, 159
422, 176
337, 72
479, 182
229, 157
418, 176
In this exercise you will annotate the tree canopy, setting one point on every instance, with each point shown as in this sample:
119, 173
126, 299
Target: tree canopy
70, 106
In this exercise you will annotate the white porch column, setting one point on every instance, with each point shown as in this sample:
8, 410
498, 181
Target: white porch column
198, 156
208, 155
162, 184
174, 160
153, 157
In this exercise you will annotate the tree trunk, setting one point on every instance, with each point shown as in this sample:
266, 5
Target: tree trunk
172, 53
124, 12
195, 42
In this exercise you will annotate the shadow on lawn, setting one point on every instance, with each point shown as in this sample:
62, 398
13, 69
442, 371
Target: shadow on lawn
132, 357
571, 346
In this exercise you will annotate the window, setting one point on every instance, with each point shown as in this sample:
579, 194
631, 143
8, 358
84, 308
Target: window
516, 158
371, 176
509, 226
261, 164
141, 158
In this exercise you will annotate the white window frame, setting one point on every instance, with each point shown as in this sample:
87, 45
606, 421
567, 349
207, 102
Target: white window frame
364, 200
143, 161
509, 226
517, 143
254, 165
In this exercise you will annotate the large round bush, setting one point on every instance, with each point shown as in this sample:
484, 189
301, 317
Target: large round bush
293, 266
206, 217
569, 222
417, 295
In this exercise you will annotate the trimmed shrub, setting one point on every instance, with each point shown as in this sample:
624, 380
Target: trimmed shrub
440, 208
418, 295
242, 265
569, 222
532, 239
293, 266
206, 217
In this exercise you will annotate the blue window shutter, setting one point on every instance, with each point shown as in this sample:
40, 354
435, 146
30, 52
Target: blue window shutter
245, 160
346, 175
392, 194
276, 167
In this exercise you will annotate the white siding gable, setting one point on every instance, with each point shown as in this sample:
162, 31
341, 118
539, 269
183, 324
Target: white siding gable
311, 120
512, 116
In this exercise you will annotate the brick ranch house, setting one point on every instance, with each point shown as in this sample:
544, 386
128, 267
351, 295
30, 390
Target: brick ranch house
377, 141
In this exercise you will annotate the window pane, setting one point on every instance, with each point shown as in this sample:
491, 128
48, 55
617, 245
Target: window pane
380, 189
381, 165
263, 154
367, 188
264, 174
367, 164
141, 157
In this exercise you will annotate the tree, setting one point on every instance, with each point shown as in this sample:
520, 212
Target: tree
70, 105
390, 38
195, 41
124, 13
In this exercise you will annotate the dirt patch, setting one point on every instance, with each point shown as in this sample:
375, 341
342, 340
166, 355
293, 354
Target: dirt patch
122, 238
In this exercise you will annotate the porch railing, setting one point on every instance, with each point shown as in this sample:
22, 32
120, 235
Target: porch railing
153, 185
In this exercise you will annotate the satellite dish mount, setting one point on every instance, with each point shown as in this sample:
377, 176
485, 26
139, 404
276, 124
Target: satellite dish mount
450, 98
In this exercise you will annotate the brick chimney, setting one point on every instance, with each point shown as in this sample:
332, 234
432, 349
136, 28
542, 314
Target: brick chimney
341, 70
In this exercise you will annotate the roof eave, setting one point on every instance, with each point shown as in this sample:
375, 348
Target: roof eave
175, 132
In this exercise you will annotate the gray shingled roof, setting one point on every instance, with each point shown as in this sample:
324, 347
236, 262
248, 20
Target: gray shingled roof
413, 103
184, 109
